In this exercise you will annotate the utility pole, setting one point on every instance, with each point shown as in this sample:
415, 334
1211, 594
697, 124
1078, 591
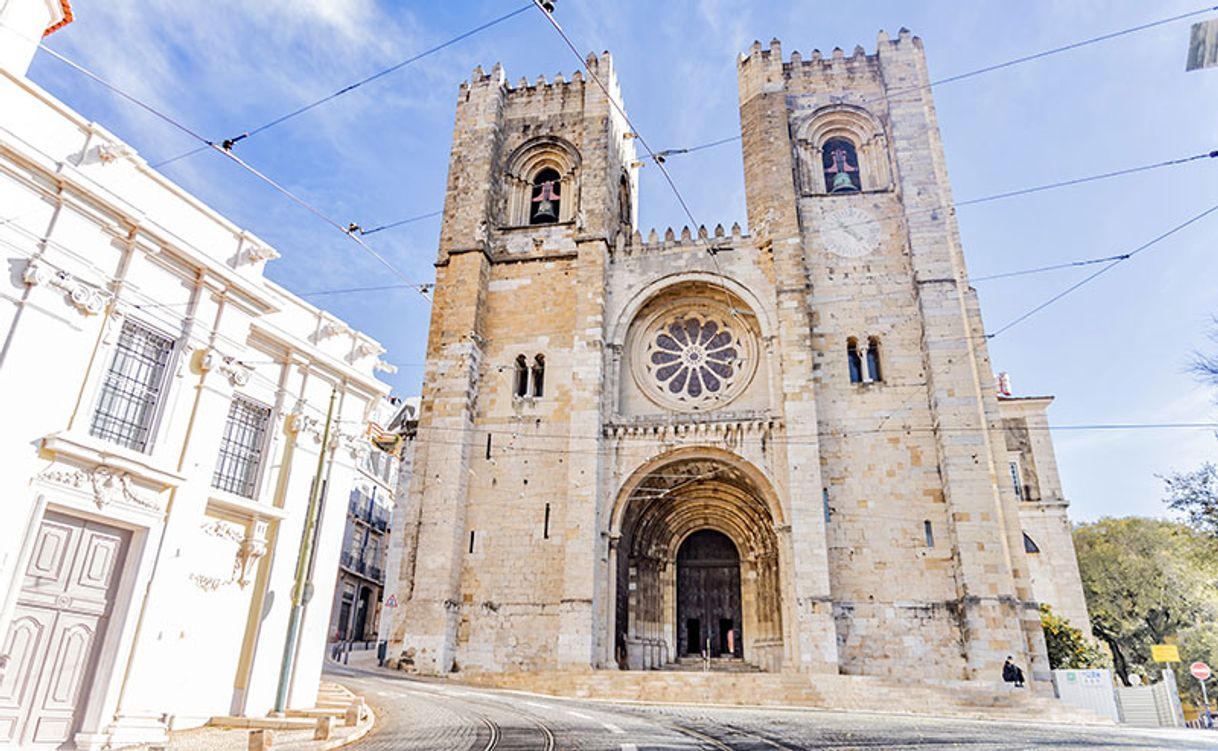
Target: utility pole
302, 567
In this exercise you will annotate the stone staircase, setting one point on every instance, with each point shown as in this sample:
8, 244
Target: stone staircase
717, 665
971, 699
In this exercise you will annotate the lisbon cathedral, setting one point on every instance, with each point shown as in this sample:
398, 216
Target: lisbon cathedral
783, 450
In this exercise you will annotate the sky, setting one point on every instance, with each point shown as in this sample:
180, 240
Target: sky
1116, 351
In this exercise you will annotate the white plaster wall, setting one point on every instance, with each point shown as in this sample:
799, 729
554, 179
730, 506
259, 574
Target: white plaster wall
190, 636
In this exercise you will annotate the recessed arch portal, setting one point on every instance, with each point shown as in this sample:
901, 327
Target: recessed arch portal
705, 497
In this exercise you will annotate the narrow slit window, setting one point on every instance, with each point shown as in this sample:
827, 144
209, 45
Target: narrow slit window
521, 384
545, 529
873, 358
824, 496
471, 541
852, 357
1015, 481
488, 446
539, 375
929, 531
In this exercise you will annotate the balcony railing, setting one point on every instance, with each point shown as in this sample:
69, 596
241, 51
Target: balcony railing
363, 566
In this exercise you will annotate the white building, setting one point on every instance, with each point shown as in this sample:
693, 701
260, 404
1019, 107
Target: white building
165, 407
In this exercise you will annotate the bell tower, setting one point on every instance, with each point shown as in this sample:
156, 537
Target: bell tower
847, 183
502, 504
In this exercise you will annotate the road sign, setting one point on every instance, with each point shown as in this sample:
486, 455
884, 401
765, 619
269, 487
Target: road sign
1165, 653
392, 602
1200, 671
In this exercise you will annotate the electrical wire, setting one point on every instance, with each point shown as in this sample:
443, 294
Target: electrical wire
346, 230
349, 88
1117, 260
980, 71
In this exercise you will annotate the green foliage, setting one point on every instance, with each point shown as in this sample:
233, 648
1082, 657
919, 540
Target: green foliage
1198, 643
1145, 581
1068, 648
1195, 494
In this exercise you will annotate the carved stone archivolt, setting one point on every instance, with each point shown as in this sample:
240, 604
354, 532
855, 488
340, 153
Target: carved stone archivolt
107, 486
88, 299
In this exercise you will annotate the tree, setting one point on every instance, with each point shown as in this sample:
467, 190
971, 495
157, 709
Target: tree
1199, 643
1195, 494
1145, 580
1068, 648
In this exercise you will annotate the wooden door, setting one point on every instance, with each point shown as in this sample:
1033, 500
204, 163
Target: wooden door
708, 594
61, 615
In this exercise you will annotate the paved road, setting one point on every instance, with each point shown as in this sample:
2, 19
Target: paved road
433, 716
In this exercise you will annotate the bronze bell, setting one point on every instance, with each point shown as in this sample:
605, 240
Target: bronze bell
546, 200
842, 183
545, 211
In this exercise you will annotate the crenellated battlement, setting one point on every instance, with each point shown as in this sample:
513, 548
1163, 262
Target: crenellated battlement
685, 240
601, 65
763, 69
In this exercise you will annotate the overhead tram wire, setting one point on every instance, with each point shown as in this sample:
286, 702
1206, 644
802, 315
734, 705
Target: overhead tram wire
976, 72
230, 142
966, 202
423, 288
638, 136
1117, 260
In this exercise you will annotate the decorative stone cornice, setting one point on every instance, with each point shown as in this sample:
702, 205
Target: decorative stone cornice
88, 299
106, 485
237, 372
256, 253
300, 424
331, 329
251, 546
385, 367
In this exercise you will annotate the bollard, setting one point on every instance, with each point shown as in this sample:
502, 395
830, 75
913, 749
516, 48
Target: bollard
261, 740
325, 727
354, 712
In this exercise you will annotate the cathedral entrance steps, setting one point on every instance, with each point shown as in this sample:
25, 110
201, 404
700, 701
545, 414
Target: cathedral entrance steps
970, 699
717, 665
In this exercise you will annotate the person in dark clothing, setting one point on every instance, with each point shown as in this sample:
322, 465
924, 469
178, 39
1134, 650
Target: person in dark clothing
1011, 673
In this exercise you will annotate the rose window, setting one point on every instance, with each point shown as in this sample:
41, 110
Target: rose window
693, 359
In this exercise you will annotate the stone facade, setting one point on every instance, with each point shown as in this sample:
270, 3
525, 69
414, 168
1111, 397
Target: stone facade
165, 406
818, 391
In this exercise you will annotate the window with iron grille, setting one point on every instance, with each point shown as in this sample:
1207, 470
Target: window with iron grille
132, 387
241, 448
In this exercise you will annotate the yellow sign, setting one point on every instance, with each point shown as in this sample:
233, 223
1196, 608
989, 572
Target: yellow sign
1164, 653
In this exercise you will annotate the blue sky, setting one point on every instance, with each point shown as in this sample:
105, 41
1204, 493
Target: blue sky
1116, 351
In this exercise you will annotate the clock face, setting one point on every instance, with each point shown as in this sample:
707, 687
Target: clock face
851, 232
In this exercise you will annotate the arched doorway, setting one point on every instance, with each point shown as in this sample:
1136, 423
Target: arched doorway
696, 540
708, 595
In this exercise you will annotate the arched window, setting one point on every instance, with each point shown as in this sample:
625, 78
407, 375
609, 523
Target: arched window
841, 164
855, 362
546, 200
539, 375
873, 358
1029, 545
521, 384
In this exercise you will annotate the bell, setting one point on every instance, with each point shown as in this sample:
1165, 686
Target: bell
545, 211
842, 183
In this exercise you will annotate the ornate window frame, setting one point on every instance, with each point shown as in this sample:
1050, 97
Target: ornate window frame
522, 167
657, 358
854, 124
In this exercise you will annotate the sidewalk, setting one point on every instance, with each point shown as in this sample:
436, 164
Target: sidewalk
297, 732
